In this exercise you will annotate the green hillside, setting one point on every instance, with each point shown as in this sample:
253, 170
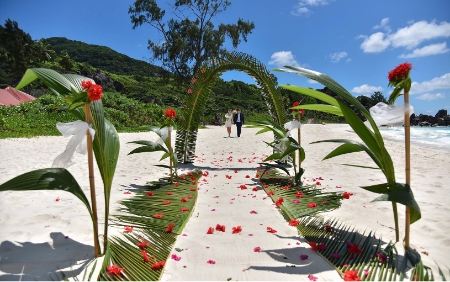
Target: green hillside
103, 57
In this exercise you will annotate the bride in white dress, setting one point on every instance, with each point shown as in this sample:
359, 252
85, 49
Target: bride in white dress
228, 121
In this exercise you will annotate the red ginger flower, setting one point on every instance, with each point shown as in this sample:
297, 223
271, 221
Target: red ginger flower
351, 275
298, 194
94, 91
170, 113
113, 269
312, 205
183, 199
399, 73
279, 202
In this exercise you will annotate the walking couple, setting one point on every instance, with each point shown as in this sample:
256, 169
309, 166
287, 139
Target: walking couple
237, 119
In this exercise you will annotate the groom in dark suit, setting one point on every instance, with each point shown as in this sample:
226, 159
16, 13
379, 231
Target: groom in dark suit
238, 119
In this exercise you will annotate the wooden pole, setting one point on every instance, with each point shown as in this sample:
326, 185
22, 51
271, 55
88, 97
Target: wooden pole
169, 138
87, 112
299, 143
407, 165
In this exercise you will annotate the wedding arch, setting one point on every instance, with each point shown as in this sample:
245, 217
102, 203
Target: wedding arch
200, 88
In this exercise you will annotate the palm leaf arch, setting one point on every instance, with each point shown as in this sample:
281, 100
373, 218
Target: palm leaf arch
200, 88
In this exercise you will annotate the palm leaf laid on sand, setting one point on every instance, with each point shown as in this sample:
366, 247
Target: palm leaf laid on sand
138, 212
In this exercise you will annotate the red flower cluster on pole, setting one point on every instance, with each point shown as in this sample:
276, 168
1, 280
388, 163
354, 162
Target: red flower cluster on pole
399, 73
94, 91
170, 113
295, 104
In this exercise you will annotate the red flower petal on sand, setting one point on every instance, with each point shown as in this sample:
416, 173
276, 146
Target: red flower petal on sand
271, 230
113, 269
270, 193
211, 261
128, 229
57, 199
312, 205
145, 256
184, 210
220, 227
150, 193
351, 275
235, 171
253, 212
158, 215
183, 199
347, 195
210, 231
354, 249
318, 183
243, 187
237, 229
247, 176
166, 202
170, 228
314, 246
257, 249
169, 193
127, 192
299, 194
312, 277
294, 222
255, 189
142, 244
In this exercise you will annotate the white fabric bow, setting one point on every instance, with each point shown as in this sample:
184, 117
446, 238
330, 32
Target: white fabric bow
164, 134
76, 143
291, 125
384, 114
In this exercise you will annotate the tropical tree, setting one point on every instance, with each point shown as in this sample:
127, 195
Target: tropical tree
84, 99
190, 38
372, 144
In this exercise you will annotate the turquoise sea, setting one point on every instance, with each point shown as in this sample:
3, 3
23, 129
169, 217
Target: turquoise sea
434, 137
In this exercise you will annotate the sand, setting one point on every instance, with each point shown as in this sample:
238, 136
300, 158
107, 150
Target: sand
40, 235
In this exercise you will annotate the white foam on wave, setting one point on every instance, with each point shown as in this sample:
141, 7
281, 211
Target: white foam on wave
434, 137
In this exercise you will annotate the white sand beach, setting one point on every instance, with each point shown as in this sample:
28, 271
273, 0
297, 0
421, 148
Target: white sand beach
48, 231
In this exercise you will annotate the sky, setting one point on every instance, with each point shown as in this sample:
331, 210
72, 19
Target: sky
355, 42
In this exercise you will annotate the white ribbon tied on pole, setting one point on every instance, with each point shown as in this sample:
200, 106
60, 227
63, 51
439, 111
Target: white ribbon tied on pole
164, 132
390, 115
291, 125
76, 143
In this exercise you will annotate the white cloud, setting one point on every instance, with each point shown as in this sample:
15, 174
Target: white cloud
312, 81
408, 37
348, 60
300, 11
336, 57
366, 89
429, 97
436, 83
301, 7
432, 49
283, 58
411, 36
375, 43
383, 25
